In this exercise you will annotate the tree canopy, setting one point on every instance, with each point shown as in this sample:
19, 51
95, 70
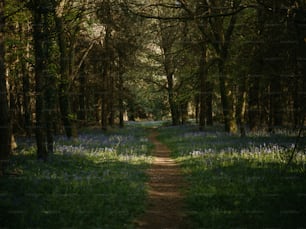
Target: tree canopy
65, 64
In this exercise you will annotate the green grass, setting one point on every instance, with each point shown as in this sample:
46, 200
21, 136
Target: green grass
238, 182
83, 185
98, 180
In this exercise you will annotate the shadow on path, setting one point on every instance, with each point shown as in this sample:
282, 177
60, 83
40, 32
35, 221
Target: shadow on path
165, 203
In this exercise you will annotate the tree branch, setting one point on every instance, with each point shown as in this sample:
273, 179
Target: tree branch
205, 15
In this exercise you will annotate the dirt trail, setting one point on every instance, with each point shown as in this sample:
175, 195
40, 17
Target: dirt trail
165, 204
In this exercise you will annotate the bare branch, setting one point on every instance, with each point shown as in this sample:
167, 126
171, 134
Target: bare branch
189, 17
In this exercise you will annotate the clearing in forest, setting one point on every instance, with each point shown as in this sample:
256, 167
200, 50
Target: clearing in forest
165, 201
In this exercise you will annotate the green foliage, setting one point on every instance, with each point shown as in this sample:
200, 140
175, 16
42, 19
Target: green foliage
81, 186
238, 182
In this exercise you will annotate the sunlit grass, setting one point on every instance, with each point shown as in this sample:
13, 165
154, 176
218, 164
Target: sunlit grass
238, 182
96, 181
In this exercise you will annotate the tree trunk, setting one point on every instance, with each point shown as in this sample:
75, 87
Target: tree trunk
24, 113
111, 95
40, 62
275, 102
104, 99
203, 78
224, 98
241, 106
184, 112
5, 128
121, 105
64, 102
300, 21
82, 96
205, 114
197, 109
253, 102
230, 124
209, 103
173, 105
26, 98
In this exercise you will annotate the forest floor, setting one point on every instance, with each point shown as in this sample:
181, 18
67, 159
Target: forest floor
106, 180
166, 201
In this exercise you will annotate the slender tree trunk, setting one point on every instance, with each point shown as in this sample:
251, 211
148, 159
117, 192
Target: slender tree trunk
50, 88
242, 106
203, 79
209, 103
230, 124
26, 103
5, 128
223, 35
111, 111
121, 105
297, 104
276, 101
172, 102
105, 87
64, 102
40, 62
197, 108
104, 100
27, 75
82, 95
184, 112
253, 102
224, 97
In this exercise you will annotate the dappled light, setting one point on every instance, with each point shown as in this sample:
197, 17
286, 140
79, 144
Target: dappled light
152, 114
240, 184
82, 185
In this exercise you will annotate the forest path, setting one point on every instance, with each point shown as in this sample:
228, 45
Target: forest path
165, 202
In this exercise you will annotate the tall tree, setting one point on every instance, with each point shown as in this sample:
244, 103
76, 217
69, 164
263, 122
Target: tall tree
66, 62
167, 44
5, 129
42, 30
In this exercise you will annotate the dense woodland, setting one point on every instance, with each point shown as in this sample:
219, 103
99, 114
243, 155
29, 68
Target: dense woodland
65, 64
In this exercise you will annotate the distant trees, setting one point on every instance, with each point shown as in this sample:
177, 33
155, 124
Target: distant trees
65, 64
254, 90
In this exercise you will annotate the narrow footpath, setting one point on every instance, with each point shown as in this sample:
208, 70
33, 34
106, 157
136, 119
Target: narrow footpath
165, 203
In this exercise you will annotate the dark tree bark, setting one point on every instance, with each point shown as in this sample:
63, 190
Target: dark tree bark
184, 112
104, 99
121, 96
226, 100
242, 105
224, 97
40, 62
45, 88
197, 108
253, 102
64, 102
111, 98
209, 103
221, 41
300, 23
26, 85
275, 103
167, 42
82, 114
203, 80
5, 128
172, 102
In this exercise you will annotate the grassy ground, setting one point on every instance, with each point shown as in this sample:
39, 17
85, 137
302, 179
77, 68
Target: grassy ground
97, 181
240, 182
